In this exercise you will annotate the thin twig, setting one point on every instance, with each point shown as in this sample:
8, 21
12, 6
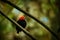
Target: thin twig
45, 26
17, 25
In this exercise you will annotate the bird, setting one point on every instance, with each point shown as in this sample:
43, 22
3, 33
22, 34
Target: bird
21, 21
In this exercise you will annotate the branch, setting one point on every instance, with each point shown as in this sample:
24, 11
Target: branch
17, 25
45, 26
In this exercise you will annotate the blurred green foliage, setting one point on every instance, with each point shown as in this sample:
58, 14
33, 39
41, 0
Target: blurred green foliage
48, 16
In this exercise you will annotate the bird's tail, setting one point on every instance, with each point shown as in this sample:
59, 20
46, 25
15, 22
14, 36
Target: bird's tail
18, 30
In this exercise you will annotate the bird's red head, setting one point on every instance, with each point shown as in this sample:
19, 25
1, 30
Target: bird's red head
22, 18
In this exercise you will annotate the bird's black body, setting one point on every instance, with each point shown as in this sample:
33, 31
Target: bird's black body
22, 23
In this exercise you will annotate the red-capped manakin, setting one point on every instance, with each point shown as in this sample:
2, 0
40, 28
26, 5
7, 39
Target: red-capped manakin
21, 21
